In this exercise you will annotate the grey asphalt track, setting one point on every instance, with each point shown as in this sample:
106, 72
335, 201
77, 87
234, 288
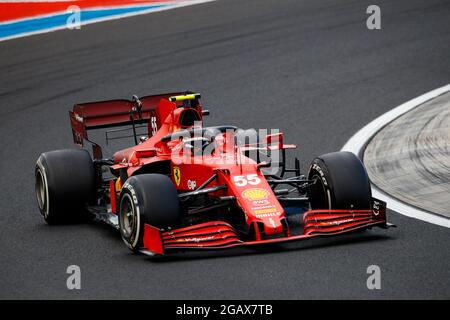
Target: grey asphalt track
309, 68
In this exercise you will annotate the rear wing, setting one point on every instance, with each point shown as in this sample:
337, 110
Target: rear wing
113, 113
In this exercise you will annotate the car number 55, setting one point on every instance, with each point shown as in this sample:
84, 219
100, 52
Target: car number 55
242, 181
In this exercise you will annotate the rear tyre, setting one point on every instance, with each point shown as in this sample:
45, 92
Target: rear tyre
341, 182
147, 198
64, 183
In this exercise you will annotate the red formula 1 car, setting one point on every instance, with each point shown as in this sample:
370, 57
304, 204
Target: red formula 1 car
185, 186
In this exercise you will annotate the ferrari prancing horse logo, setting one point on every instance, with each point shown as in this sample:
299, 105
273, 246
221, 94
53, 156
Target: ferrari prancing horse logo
177, 175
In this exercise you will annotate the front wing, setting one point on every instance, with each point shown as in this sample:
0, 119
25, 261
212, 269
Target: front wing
216, 235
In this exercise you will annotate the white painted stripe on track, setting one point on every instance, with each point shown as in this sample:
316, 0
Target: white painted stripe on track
358, 141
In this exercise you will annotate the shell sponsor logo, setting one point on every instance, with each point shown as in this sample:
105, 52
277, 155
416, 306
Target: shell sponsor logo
254, 194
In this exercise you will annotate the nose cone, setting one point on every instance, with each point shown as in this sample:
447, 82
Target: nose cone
259, 203
272, 225
262, 206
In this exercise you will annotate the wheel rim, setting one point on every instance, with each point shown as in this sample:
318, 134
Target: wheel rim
127, 216
318, 188
41, 192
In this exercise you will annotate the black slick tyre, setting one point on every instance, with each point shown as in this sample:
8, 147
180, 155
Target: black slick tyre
341, 182
64, 184
147, 198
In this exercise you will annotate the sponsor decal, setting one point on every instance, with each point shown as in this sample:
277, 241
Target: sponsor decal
267, 215
254, 194
272, 223
192, 184
376, 208
336, 223
196, 239
264, 207
321, 173
258, 203
262, 211
154, 125
177, 175
265, 212
78, 118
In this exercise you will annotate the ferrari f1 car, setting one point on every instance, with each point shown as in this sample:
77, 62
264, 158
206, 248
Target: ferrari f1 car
183, 186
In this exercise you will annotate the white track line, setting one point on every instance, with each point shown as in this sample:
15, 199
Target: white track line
357, 143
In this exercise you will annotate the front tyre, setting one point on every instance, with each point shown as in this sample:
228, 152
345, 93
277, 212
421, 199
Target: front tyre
147, 198
341, 182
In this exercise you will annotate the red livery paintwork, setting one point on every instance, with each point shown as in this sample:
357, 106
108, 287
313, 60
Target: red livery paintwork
220, 235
